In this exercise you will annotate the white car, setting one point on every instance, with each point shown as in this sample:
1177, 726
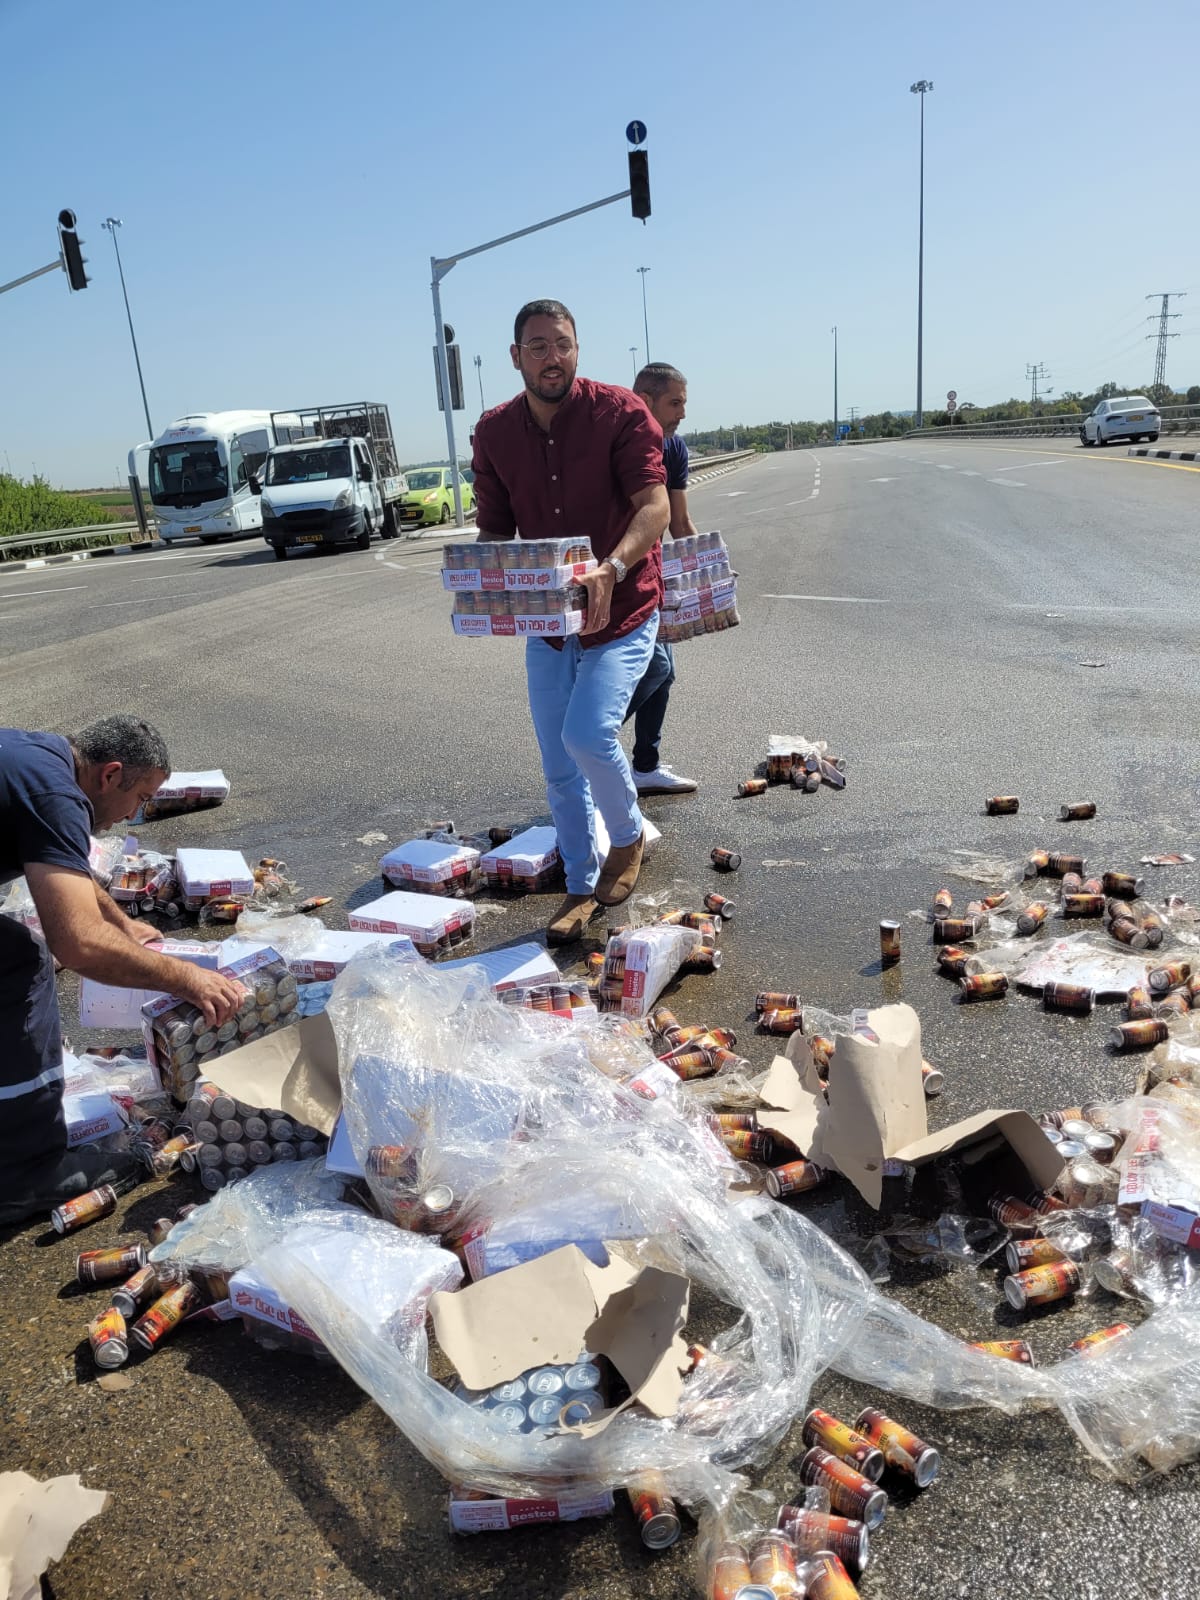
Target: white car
1131, 416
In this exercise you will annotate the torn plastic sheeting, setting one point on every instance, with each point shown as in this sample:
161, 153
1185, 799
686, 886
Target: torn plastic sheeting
1078, 958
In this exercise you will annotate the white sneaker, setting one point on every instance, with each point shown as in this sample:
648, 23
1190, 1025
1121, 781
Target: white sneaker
662, 781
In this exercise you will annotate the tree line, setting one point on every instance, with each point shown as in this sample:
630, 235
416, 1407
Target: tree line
893, 425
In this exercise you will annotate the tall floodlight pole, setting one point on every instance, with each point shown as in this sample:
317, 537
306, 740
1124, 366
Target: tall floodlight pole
112, 224
479, 375
645, 318
922, 87
633, 352
836, 436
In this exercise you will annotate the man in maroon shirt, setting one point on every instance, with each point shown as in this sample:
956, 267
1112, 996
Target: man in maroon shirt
570, 458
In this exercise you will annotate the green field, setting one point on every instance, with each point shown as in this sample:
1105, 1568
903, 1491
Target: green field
108, 499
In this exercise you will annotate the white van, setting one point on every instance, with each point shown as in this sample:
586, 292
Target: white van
197, 472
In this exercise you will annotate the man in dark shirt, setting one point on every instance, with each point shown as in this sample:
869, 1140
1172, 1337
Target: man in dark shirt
573, 458
664, 390
53, 792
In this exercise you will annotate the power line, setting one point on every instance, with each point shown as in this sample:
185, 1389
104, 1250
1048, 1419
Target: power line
1165, 315
1037, 374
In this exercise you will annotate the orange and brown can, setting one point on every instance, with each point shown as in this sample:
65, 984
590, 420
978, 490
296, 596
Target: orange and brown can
1021, 1254
166, 1314
729, 1572
813, 1531
1073, 997
1058, 864
993, 902
109, 1266
1002, 805
795, 1177
889, 943
773, 1000
657, 1519
1138, 1004
826, 1578
841, 1440
1042, 1286
983, 986
1168, 976
391, 1162
783, 1020
84, 1208
1126, 931
1082, 905
1032, 917
1037, 861
1173, 1005
751, 786
773, 1563
1093, 886
1092, 1342
108, 1340
1077, 811
1123, 885
720, 905
1152, 927
943, 903
725, 860
687, 1064
744, 1146
1006, 1211
663, 1022
950, 930
821, 1050
901, 1448
1007, 1350
953, 960
851, 1493
735, 1121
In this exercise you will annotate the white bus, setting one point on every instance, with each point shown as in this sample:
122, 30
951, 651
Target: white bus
197, 473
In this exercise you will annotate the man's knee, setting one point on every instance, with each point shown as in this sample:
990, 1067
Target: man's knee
588, 739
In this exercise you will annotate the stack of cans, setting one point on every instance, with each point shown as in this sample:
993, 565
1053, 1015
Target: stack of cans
229, 1138
555, 999
179, 1040
543, 1398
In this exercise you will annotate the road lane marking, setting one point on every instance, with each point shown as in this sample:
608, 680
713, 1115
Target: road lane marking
1030, 466
1006, 483
1077, 454
12, 594
837, 599
883, 480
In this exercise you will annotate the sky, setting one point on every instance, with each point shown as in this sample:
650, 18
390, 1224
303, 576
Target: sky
284, 172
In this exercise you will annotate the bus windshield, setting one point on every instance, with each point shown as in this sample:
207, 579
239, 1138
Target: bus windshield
188, 473
308, 466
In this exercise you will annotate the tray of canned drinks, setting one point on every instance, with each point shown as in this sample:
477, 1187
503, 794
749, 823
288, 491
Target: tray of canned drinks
180, 1042
544, 1398
527, 864
186, 791
570, 999
695, 552
554, 612
690, 614
143, 875
433, 924
516, 564
433, 866
206, 875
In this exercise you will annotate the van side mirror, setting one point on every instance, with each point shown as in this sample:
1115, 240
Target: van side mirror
255, 485
365, 472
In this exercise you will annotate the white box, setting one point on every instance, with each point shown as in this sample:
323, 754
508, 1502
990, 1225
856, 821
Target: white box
250, 1295
519, 963
92, 1115
103, 1005
210, 785
557, 626
497, 578
497, 1516
428, 861
212, 875
525, 856
427, 921
333, 950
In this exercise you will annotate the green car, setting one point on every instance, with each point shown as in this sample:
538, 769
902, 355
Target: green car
430, 496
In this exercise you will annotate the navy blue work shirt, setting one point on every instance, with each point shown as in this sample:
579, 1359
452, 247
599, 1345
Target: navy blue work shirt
675, 459
45, 817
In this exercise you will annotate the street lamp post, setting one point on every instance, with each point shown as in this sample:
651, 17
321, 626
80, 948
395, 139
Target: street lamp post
922, 87
112, 224
633, 350
479, 375
645, 318
836, 436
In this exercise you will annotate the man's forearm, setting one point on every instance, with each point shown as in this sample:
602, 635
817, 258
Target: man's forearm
113, 915
110, 955
643, 533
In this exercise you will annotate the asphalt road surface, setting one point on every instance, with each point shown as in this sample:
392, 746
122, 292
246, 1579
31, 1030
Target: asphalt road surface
957, 620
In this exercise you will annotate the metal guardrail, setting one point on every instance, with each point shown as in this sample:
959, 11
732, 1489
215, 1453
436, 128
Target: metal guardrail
1174, 419
700, 463
55, 540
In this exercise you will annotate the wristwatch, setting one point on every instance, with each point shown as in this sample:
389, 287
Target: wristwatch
618, 566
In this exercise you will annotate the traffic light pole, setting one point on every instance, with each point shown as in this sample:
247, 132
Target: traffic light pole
440, 266
54, 266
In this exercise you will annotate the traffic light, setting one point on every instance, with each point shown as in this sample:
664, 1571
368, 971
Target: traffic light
454, 364
72, 255
639, 183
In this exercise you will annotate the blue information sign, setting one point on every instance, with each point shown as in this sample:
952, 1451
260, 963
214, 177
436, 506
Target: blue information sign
843, 430
636, 133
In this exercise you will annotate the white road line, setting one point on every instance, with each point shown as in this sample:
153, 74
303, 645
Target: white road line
967, 473
1006, 483
944, 466
13, 594
732, 494
1028, 466
838, 599
883, 480
1039, 605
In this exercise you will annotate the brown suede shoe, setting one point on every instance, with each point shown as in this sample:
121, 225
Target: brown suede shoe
571, 918
620, 872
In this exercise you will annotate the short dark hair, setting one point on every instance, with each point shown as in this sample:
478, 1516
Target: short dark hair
656, 379
136, 744
542, 308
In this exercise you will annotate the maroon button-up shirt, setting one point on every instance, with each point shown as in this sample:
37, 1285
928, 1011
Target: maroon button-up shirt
576, 480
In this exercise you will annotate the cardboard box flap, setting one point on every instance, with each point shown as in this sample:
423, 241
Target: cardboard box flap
546, 1311
797, 1107
1026, 1138
294, 1070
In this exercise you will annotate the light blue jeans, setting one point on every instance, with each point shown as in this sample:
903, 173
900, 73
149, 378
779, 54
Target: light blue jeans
579, 699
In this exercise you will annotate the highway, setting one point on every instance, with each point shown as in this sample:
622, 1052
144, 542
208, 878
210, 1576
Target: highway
957, 620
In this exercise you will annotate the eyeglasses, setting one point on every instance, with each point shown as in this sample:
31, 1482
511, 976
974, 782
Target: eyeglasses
539, 349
